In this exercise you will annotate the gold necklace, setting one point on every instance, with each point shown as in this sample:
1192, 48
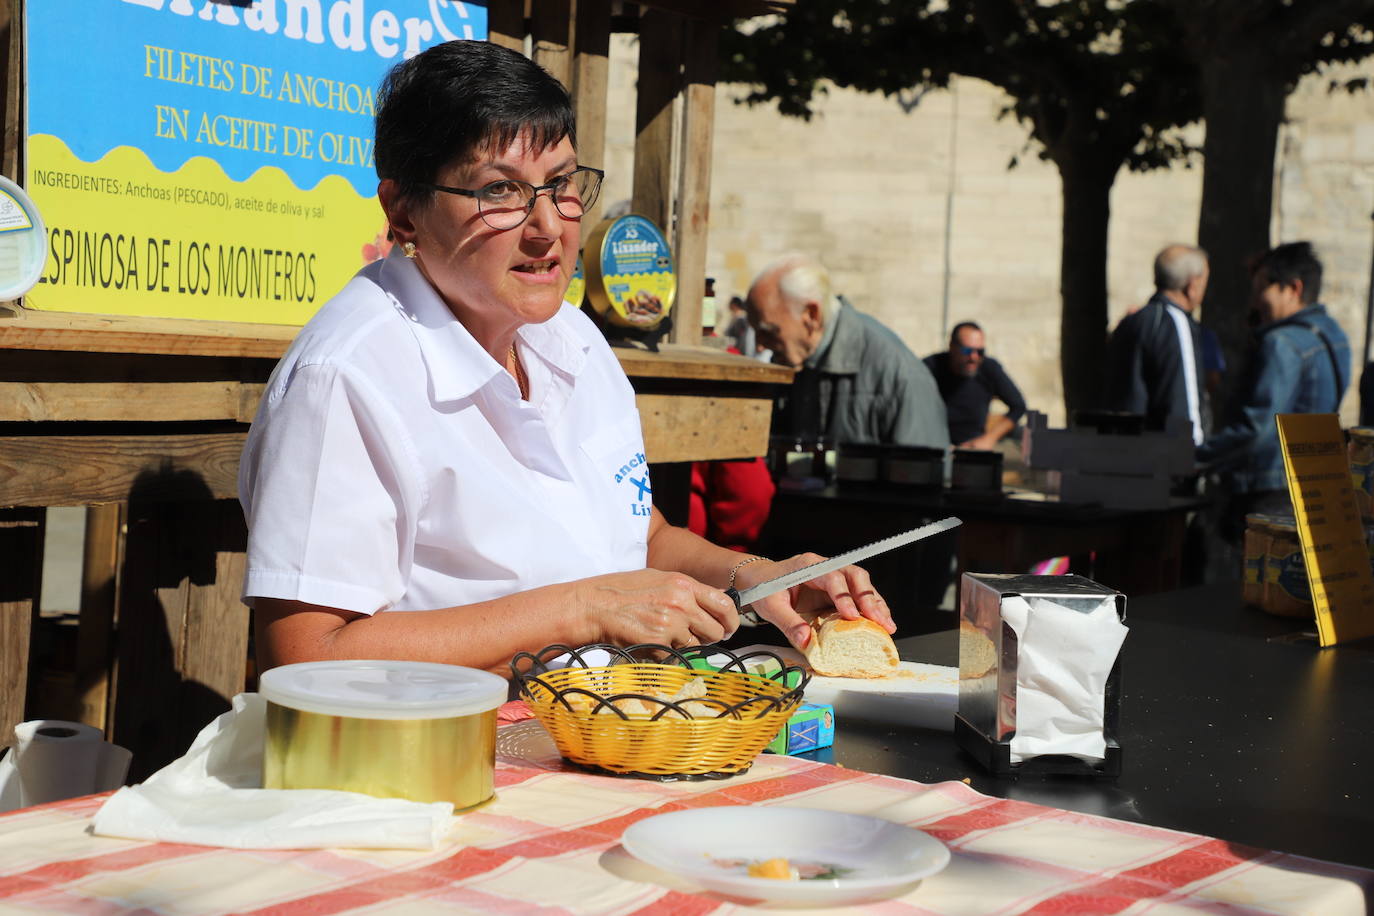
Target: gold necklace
521, 380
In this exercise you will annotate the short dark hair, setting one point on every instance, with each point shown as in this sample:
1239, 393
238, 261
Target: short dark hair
1291, 262
954, 334
457, 99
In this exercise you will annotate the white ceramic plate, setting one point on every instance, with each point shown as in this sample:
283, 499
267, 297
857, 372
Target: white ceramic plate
843, 858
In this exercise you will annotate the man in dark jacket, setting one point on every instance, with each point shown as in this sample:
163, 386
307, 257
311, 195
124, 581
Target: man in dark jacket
1154, 364
968, 380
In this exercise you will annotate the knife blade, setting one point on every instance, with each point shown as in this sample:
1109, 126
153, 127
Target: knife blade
807, 573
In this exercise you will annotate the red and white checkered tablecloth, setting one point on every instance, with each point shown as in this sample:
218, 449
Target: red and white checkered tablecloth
550, 844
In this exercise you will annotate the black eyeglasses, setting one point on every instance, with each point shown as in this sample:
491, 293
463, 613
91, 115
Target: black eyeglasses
507, 203
969, 351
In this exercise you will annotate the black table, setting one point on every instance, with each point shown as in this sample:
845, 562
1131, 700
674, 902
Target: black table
1138, 551
1233, 725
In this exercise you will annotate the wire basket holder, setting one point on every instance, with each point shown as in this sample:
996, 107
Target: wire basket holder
581, 704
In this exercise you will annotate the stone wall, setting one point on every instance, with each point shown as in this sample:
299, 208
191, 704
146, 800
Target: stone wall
923, 224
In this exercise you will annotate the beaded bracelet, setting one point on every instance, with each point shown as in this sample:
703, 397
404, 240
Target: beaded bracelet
734, 571
747, 615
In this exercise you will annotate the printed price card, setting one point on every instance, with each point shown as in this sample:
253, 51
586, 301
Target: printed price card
1329, 526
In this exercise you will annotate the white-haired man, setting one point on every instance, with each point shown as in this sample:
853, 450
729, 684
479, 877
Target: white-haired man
1155, 360
858, 383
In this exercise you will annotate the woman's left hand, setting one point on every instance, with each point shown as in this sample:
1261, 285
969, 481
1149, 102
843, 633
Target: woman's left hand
848, 590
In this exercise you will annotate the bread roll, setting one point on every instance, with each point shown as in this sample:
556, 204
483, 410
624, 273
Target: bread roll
850, 648
977, 653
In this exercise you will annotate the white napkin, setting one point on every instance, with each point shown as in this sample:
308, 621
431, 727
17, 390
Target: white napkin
212, 796
51, 760
1063, 659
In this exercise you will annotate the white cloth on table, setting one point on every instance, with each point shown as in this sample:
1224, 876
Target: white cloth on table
213, 796
393, 465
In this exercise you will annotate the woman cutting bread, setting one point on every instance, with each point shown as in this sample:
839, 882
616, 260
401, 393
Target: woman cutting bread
447, 464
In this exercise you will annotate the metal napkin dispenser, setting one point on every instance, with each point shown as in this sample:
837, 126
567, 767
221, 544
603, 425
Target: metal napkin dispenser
990, 656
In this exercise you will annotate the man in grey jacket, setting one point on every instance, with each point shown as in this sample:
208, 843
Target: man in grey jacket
858, 383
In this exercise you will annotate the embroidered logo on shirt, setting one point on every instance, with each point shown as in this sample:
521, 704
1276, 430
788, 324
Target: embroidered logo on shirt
643, 504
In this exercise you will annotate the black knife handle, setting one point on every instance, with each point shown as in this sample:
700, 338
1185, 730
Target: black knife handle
748, 617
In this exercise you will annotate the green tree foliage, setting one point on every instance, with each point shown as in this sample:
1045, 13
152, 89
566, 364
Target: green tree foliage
1250, 55
1099, 84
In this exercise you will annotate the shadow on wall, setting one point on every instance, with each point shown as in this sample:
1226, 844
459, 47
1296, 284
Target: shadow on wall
182, 631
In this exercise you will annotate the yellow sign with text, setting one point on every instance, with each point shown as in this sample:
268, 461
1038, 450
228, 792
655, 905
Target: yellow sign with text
1329, 527
212, 159
127, 239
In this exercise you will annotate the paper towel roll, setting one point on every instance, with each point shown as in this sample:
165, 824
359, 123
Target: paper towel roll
51, 760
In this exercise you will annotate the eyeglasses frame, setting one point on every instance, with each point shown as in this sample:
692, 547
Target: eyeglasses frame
534, 195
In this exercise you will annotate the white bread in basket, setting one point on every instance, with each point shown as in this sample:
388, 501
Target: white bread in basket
850, 648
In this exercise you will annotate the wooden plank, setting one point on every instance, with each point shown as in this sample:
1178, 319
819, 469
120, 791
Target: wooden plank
551, 28
109, 335
683, 428
720, 10
95, 635
215, 651
79, 470
506, 23
21, 561
678, 361
159, 554
250, 395
12, 72
660, 58
591, 73
184, 636
694, 180
114, 401
34, 330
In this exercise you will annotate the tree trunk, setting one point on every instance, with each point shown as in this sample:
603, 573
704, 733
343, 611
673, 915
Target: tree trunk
1087, 188
1237, 186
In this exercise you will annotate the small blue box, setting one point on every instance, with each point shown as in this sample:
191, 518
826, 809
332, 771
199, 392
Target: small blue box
811, 727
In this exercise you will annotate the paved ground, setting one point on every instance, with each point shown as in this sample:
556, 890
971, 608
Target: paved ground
62, 561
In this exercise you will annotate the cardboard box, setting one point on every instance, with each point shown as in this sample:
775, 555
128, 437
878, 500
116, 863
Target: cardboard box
811, 727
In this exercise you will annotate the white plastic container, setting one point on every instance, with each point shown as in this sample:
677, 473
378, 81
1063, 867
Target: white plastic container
392, 729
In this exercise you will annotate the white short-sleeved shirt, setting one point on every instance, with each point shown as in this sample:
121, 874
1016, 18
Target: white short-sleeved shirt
393, 466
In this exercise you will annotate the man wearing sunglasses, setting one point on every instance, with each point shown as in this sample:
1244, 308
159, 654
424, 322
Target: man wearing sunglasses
969, 379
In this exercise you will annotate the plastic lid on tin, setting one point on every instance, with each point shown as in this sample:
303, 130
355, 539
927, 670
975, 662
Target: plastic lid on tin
383, 689
630, 276
577, 287
23, 242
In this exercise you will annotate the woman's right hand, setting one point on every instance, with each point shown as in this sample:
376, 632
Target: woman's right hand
652, 606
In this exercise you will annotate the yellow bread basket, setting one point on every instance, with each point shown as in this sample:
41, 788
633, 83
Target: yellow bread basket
712, 736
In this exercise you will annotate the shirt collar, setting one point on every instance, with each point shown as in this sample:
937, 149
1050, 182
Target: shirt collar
840, 349
457, 364
1169, 303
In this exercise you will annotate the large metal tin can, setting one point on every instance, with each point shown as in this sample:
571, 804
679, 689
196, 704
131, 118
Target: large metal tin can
390, 729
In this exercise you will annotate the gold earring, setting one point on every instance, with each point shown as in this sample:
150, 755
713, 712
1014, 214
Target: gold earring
409, 250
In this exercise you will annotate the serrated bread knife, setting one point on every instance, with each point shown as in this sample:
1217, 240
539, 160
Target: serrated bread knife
807, 573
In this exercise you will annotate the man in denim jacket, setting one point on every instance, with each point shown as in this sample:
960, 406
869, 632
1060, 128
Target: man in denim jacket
1300, 364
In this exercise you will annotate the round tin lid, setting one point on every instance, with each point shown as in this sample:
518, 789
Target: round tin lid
23, 241
577, 288
629, 268
383, 689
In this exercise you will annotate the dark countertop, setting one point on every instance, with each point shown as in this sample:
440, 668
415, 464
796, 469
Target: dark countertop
1233, 725
1007, 505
